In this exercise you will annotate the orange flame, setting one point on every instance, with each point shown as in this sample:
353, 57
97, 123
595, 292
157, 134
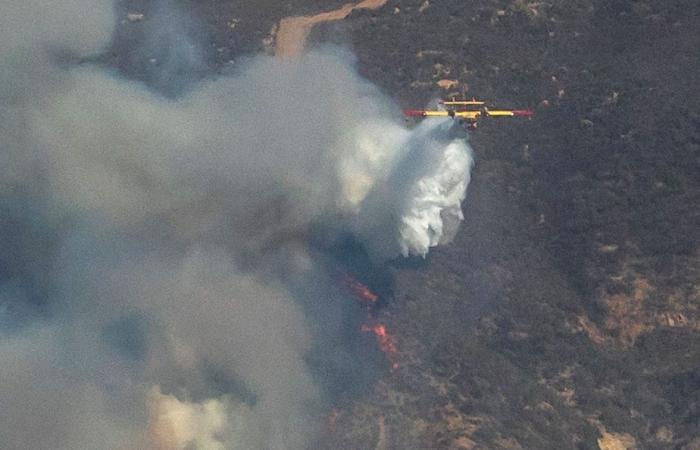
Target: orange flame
386, 342
358, 289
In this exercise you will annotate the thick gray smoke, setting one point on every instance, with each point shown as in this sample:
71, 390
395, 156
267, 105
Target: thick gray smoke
138, 305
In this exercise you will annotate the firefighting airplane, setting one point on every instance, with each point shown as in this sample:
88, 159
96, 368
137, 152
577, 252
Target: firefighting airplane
467, 112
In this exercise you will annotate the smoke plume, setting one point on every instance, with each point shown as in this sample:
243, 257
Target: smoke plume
156, 281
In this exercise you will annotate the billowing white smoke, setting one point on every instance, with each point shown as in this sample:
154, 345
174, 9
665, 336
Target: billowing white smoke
133, 222
434, 206
411, 201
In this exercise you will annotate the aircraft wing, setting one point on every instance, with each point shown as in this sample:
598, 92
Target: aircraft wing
423, 113
509, 113
469, 115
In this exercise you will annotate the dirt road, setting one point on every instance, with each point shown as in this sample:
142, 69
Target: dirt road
293, 31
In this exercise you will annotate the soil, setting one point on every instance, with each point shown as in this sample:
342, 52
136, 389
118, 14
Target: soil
293, 31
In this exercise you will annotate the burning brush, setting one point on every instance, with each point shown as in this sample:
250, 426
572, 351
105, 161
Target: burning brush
385, 342
358, 290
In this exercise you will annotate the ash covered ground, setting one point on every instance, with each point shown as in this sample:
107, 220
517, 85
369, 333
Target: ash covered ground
564, 314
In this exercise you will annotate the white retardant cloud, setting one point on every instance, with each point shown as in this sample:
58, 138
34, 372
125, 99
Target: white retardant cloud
134, 310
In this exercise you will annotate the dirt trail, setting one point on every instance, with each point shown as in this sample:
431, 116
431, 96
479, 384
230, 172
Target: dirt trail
293, 31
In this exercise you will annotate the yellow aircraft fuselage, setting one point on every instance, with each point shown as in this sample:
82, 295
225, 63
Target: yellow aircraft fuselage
459, 109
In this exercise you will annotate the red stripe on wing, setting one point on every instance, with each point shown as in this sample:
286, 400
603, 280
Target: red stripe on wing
414, 113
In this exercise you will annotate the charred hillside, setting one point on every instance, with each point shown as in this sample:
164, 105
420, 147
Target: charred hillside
565, 313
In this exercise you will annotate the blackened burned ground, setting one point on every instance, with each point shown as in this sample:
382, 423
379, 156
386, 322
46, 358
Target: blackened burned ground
536, 323
567, 307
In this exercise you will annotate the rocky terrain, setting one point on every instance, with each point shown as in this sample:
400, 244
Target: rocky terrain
565, 314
